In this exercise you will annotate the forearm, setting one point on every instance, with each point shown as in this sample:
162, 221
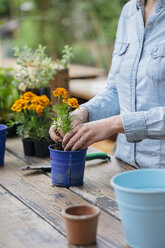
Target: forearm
113, 125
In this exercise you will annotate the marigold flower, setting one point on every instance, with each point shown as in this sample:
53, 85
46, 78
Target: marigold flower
31, 106
39, 109
44, 100
60, 92
28, 96
65, 101
19, 105
73, 102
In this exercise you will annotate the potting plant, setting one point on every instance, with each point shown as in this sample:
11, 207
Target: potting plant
38, 73
34, 117
34, 69
67, 167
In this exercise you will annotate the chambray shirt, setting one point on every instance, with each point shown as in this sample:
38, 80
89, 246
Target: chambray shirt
136, 87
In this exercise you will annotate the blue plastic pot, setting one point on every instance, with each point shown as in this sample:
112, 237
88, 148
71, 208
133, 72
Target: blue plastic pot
3, 134
141, 200
67, 167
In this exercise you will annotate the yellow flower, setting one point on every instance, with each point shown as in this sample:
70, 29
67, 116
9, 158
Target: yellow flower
73, 102
39, 109
44, 100
31, 106
65, 101
28, 96
19, 105
60, 92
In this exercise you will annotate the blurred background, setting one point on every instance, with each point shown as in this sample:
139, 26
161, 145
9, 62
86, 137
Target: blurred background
89, 27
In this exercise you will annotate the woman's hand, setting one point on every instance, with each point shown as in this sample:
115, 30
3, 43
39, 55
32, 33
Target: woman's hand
88, 133
81, 117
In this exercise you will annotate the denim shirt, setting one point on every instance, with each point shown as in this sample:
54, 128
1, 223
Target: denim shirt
136, 87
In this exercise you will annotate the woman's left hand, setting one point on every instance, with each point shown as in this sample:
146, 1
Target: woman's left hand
88, 133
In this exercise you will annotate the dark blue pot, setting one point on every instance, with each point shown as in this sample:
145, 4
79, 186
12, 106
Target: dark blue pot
67, 167
3, 134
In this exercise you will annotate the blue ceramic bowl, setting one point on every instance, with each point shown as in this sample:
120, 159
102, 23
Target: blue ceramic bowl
141, 200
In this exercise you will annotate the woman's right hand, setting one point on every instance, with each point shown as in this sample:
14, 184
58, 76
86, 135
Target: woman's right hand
81, 117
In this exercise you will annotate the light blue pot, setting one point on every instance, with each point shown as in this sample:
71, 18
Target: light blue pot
141, 200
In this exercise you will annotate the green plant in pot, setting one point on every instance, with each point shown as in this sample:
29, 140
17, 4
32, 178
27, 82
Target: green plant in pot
8, 95
34, 71
34, 118
67, 167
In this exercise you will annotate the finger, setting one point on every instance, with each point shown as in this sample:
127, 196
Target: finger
86, 145
53, 135
78, 145
68, 136
72, 142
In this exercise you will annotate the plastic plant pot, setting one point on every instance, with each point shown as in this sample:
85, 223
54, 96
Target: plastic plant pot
81, 224
67, 167
41, 148
141, 200
28, 146
3, 134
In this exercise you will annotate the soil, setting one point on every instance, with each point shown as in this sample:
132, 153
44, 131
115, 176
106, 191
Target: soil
58, 146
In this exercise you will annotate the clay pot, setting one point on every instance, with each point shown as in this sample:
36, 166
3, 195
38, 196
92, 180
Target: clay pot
81, 224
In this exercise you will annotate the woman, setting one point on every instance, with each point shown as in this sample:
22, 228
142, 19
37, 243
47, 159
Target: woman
133, 102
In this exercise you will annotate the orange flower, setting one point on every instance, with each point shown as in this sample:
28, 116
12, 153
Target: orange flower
19, 105
73, 102
31, 106
39, 109
60, 92
28, 96
44, 100
65, 101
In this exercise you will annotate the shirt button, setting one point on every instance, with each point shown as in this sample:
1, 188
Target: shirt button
155, 53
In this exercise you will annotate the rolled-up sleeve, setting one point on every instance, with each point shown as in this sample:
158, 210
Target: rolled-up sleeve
144, 124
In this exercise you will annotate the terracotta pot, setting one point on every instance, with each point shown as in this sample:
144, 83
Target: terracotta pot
81, 224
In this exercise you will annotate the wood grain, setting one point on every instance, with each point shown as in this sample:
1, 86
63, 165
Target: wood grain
22, 228
35, 191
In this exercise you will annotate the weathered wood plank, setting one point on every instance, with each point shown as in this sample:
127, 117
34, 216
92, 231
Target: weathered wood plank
34, 189
20, 227
96, 189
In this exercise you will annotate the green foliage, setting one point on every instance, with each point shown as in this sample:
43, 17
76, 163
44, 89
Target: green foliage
8, 94
62, 120
66, 57
35, 68
52, 23
32, 125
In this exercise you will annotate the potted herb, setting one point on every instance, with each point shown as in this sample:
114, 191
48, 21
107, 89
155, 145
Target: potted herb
34, 117
8, 95
37, 73
67, 167
35, 70
61, 77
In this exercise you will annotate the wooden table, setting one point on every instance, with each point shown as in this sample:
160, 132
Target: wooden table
30, 206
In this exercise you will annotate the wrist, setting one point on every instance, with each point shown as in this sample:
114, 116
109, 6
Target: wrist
82, 113
117, 125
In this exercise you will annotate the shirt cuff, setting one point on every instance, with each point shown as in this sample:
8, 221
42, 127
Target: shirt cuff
134, 126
